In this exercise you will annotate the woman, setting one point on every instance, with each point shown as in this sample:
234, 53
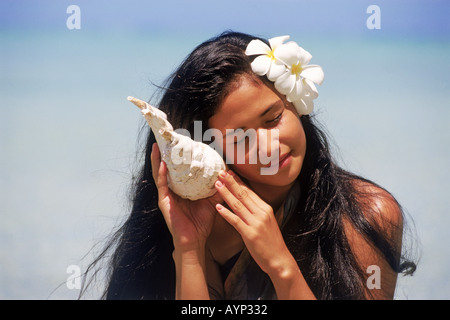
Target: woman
311, 230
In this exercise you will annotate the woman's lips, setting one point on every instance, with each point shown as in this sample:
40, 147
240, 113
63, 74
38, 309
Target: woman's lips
284, 160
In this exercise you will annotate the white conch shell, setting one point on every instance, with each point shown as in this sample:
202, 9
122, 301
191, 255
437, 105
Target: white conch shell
192, 166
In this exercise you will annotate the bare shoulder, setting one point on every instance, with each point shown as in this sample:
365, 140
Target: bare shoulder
384, 214
382, 208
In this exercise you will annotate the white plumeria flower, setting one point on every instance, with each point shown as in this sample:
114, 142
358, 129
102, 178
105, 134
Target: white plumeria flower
266, 63
298, 81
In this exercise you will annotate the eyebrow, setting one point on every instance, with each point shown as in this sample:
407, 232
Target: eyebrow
276, 103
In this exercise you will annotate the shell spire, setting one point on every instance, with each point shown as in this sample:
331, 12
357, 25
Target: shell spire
193, 167
155, 118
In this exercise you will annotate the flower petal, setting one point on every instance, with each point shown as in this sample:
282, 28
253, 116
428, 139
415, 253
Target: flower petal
304, 106
276, 70
297, 92
285, 83
277, 41
304, 56
288, 53
261, 65
257, 47
310, 88
313, 73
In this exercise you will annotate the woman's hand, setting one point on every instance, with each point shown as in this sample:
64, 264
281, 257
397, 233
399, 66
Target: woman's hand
256, 223
189, 222
254, 219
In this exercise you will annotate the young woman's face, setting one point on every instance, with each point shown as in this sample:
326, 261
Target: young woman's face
280, 137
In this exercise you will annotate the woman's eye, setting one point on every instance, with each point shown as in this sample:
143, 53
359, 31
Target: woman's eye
275, 120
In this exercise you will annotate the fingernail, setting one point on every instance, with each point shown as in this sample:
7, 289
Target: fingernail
219, 206
219, 184
223, 174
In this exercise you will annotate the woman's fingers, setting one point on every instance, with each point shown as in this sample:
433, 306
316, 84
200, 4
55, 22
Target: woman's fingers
231, 218
235, 204
242, 192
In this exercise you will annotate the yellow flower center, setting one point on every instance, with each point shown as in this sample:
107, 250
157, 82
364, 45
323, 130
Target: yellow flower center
271, 55
296, 69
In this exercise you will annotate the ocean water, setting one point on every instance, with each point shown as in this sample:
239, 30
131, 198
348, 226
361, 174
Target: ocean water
68, 141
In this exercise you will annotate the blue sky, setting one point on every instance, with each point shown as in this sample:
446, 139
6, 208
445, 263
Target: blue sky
411, 18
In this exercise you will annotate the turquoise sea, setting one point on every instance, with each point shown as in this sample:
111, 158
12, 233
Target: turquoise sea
68, 138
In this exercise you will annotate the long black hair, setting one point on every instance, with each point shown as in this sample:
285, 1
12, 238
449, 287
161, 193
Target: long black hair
139, 253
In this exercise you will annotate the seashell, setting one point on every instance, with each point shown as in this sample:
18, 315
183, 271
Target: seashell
192, 166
